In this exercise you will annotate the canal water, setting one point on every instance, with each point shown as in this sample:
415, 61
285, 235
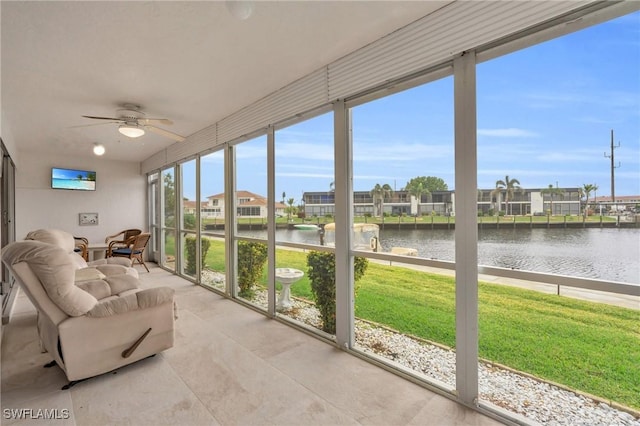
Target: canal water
599, 253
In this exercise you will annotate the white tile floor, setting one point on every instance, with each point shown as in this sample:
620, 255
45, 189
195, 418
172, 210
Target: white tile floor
229, 365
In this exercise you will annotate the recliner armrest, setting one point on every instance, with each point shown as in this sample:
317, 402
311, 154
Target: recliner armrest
140, 300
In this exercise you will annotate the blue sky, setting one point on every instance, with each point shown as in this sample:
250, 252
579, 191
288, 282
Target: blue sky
544, 117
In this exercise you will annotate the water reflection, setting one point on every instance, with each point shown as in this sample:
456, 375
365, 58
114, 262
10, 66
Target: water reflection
607, 254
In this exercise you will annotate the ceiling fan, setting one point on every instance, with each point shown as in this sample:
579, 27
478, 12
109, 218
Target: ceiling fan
133, 123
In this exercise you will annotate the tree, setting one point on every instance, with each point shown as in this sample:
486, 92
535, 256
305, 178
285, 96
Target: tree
169, 200
495, 199
424, 185
586, 191
429, 183
291, 209
379, 193
509, 186
416, 189
552, 192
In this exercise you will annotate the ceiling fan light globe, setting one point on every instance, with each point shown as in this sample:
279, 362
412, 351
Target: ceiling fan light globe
98, 149
240, 9
131, 131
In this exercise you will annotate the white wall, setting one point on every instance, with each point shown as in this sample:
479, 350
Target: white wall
537, 202
119, 198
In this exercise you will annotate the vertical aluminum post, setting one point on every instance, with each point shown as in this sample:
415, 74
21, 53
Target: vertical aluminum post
271, 222
343, 211
177, 192
466, 234
198, 222
230, 220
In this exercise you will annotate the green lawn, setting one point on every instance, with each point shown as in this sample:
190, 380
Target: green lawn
584, 345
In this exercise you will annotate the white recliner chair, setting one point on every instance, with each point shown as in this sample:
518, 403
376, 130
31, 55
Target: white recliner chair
95, 325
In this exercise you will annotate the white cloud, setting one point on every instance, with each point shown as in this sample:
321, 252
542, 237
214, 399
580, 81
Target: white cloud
400, 152
378, 178
297, 166
305, 175
305, 151
509, 132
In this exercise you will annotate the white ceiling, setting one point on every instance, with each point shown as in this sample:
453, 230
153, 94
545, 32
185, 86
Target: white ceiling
192, 62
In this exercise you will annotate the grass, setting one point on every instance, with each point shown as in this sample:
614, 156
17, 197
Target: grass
587, 346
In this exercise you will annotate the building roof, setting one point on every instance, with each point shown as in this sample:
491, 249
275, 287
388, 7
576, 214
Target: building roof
239, 194
619, 199
189, 204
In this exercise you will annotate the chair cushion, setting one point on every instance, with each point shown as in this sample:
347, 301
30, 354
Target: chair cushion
56, 237
88, 274
60, 239
56, 272
99, 289
130, 302
126, 251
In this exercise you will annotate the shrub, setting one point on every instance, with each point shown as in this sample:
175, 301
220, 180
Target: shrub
322, 275
189, 220
251, 260
190, 246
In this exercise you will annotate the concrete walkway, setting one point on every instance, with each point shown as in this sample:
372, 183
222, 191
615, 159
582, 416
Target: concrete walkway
625, 301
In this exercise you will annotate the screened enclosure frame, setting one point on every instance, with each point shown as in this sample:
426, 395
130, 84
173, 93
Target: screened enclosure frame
462, 66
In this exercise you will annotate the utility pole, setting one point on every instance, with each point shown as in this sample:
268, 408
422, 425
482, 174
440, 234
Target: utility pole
613, 167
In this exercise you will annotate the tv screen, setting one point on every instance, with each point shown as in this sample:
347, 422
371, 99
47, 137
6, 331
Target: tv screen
82, 180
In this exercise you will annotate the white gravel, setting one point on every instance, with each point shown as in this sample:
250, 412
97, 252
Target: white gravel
534, 399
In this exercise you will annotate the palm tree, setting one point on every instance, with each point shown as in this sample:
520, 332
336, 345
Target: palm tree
585, 191
552, 191
495, 195
291, 209
417, 190
379, 193
509, 186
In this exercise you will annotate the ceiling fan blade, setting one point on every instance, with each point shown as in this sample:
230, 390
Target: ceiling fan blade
166, 133
147, 121
90, 125
103, 118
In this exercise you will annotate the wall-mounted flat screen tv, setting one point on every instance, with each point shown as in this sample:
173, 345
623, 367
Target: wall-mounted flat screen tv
82, 180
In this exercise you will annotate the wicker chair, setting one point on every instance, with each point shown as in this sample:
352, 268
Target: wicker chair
134, 249
82, 247
115, 242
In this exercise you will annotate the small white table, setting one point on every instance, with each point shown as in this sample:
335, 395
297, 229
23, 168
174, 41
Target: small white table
97, 250
286, 277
